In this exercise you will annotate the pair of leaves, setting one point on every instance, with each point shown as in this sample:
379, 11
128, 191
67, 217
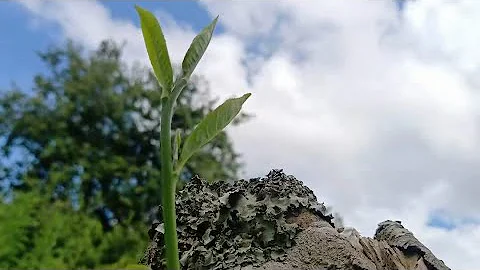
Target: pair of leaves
158, 52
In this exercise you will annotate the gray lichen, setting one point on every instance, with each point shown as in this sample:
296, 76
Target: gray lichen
228, 225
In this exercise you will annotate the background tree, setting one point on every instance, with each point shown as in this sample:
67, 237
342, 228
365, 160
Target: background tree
38, 234
87, 137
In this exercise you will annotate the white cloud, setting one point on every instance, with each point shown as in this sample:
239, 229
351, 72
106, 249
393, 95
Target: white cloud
378, 116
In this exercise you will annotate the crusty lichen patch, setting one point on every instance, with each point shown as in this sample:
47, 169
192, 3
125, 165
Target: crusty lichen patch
226, 226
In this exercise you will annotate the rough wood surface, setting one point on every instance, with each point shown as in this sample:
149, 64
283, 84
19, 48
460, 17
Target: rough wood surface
321, 247
277, 223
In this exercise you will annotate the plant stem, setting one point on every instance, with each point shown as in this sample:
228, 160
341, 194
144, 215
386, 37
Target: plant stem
168, 186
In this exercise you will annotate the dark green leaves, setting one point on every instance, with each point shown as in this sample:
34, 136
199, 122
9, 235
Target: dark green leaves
157, 50
197, 49
209, 127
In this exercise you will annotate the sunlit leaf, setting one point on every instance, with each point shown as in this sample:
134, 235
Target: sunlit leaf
209, 127
197, 49
157, 50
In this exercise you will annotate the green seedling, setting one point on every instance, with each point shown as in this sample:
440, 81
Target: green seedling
173, 162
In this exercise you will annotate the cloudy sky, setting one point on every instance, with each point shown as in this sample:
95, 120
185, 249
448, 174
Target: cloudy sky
373, 105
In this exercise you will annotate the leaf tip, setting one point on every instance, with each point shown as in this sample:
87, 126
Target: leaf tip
141, 12
139, 9
214, 23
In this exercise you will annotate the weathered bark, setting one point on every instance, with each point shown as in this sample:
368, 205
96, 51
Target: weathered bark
321, 247
276, 223
399, 237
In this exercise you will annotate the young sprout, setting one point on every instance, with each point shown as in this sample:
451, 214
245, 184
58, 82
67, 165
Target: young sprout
173, 162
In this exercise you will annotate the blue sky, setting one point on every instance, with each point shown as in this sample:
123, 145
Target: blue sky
379, 126
18, 50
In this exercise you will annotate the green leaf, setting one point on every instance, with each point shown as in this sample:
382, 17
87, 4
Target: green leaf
157, 50
209, 127
197, 49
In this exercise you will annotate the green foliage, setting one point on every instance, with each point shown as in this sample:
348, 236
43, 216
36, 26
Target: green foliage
157, 49
227, 225
210, 126
36, 234
197, 49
